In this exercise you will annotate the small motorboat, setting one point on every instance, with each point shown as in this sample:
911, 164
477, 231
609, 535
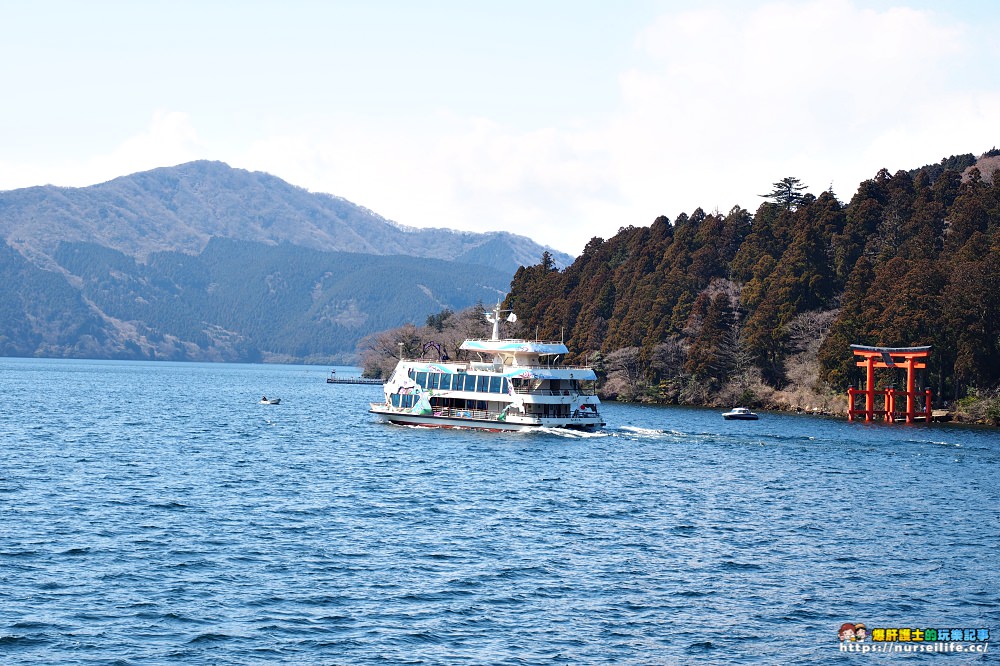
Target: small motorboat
270, 401
740, 414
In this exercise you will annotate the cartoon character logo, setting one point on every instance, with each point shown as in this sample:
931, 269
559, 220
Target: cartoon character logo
860, 631
846, 632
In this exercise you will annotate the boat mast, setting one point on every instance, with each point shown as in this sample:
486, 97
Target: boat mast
494, 318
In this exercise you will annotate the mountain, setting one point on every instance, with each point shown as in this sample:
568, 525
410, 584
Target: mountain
206, 262
235, 301
179, 209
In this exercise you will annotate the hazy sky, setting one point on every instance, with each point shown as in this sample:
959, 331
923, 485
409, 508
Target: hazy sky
560, 120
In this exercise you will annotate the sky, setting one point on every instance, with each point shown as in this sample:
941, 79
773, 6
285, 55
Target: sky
559, 120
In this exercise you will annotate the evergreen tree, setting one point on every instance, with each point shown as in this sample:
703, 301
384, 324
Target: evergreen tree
709, 359
787, 193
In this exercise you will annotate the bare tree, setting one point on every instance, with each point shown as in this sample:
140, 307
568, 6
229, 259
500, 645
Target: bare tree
383, 350
625, 372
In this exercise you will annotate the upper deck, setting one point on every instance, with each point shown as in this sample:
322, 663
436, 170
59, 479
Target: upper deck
524, 369
514, 346
514, 357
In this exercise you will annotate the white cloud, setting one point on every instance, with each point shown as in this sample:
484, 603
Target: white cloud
720, 106
715, 107
728, 103
471, 174
169, 139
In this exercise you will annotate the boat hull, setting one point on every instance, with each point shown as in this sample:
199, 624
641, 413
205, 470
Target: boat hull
740, 417
488, 425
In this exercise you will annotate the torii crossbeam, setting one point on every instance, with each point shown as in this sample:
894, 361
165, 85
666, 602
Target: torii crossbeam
908, 358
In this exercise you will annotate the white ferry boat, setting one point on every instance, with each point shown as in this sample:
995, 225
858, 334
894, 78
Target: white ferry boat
514, 385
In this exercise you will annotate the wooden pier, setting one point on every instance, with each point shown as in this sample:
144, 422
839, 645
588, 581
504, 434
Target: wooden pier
333, 379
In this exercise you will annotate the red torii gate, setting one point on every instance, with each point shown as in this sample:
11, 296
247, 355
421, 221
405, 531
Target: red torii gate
890, 357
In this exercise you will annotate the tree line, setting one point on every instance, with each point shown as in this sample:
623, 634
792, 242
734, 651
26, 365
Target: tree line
739, 307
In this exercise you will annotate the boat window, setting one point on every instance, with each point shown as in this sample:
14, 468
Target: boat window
504, 388
404, 401
465, 382
445, 384
495, 384
483, 384
421, 379
432, 380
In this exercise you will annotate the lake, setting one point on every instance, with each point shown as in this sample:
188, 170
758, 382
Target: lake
156, 513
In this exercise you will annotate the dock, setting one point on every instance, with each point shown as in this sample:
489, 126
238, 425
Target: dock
352, 380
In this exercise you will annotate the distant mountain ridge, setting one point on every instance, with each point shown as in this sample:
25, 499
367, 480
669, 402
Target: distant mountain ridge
204, 262
180, 208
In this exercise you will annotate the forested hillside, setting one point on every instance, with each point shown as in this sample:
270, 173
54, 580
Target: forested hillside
760, 308
235, 301
202, 261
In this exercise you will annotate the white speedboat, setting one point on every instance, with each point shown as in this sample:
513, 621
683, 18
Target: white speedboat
739, 414
514, 385
270, 401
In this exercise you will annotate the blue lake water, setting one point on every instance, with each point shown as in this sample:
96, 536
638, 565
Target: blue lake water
156, 513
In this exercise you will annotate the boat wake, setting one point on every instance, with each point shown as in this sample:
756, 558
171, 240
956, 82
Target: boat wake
568, 433
635, 431
948, 444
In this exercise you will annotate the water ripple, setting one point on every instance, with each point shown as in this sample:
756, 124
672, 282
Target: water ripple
205, 528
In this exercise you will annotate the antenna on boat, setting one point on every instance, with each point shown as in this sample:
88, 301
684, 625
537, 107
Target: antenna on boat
494, 318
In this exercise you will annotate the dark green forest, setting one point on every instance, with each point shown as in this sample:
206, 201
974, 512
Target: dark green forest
762, 307
235, 301
205, 262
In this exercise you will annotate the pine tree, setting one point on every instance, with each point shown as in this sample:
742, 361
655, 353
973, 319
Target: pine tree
787, 193
708, 358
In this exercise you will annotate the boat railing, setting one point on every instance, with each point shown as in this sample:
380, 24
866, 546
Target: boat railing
459, 413
477, 414
480, 366
569, 392
518, 340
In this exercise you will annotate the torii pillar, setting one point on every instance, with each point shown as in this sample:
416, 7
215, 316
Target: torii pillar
890, 357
